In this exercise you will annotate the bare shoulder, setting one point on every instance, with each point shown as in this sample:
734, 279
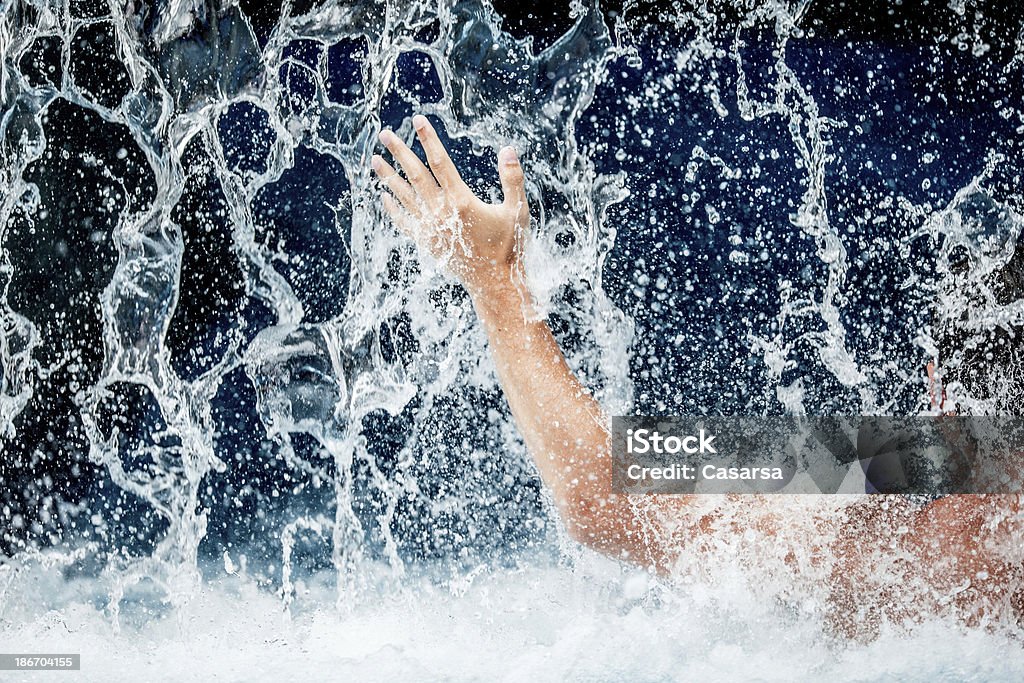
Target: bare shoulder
969, 547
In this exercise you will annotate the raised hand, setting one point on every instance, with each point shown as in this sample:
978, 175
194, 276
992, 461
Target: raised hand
479, 242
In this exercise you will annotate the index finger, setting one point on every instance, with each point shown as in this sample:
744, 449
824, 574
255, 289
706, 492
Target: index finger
417, 174
437, 156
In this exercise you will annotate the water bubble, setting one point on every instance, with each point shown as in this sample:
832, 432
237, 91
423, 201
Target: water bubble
740, 257
713, 216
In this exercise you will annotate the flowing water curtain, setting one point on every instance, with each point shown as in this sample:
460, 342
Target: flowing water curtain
752, 59
158, 143
172, 75
731, 46
493, 90
150, 95
815, 327
188, 69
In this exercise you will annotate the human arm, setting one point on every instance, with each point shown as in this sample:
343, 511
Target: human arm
565, 429
567, 433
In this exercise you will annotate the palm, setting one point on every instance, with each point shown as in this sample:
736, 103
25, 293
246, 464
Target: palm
475, 239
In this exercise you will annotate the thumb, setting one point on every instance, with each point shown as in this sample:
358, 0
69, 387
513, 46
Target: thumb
512, 181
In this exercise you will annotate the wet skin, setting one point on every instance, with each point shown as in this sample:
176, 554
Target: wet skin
954, 554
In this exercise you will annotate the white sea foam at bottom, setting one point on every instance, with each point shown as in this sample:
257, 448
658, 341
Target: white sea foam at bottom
593, 622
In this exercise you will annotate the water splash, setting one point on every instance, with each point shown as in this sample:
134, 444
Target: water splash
175, 77
189, 230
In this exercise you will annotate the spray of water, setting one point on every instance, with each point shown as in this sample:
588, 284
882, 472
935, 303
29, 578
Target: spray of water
178, 84
183, 70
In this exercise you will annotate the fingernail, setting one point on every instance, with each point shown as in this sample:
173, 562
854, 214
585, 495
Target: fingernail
375, 162
419, 122
508, 156
385, 135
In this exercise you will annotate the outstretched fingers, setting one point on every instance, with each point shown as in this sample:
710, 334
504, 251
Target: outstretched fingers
437, 156
407, 224
399, 216
411, 226
417, 174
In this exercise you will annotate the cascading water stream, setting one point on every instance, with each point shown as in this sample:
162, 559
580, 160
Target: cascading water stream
184, 68
216, 344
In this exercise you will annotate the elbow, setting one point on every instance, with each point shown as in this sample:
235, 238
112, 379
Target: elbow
610, 526
596, 523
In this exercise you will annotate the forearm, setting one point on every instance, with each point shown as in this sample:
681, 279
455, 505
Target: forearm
564, 427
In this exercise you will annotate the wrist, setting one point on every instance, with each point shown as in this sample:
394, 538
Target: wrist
500, 294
